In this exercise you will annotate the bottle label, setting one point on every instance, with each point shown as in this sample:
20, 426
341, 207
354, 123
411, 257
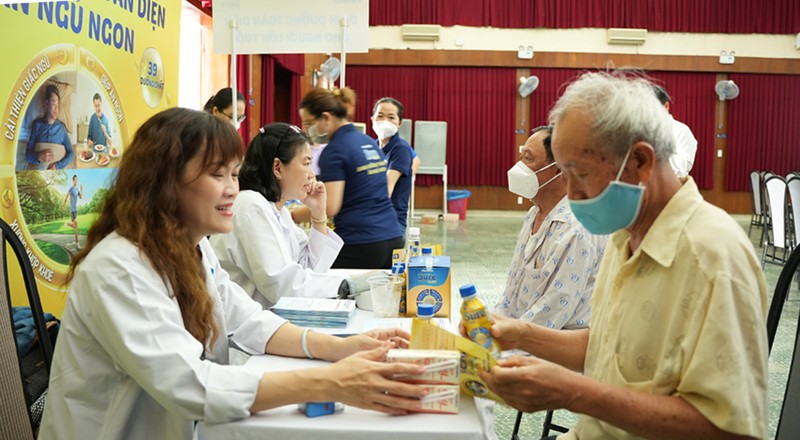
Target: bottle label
481, 336
432, 297
474, 315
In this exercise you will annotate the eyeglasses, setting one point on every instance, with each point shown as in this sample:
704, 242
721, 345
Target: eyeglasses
239, 118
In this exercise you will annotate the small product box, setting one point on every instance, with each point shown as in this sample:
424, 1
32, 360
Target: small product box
441, 399
429, 282
441, 366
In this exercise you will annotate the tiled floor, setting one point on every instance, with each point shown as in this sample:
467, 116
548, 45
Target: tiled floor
480, 248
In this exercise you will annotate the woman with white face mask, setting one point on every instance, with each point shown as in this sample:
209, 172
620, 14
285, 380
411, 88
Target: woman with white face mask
387, 116
266, 253
354, 171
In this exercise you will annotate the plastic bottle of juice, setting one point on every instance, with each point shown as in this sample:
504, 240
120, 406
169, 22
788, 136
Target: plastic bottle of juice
413, 248
476, 319
427, 254
399, 270
425, 312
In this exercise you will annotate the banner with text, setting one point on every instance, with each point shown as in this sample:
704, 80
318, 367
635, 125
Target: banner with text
301, 26
78, 80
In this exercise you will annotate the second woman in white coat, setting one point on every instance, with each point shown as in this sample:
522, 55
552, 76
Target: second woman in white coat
266, 253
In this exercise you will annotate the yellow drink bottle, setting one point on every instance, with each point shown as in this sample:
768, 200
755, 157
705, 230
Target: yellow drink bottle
476, 319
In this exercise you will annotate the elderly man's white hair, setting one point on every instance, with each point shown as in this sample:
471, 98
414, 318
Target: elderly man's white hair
623, 110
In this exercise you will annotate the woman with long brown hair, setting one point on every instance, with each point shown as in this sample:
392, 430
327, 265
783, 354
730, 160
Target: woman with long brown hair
143, 350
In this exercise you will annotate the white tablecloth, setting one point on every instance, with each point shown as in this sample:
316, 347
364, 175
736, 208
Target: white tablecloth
352, 424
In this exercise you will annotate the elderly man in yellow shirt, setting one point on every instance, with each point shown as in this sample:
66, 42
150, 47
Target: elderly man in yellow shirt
677, 346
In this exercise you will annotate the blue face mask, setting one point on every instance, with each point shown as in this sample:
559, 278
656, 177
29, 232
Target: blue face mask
613, 209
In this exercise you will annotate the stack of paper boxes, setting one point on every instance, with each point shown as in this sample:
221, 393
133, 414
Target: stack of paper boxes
440, 377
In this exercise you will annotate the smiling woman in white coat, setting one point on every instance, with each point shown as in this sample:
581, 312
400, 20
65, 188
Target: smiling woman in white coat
267, 253
150, 317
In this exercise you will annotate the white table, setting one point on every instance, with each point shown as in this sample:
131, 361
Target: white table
353, 424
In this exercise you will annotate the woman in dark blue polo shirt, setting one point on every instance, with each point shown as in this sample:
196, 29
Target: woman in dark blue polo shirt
354, 171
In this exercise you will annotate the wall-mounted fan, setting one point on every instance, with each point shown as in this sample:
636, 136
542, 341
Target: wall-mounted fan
726, 90
528, 85
330, 70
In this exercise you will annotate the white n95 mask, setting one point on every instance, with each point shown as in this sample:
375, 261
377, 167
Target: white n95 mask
524, 182
384, 129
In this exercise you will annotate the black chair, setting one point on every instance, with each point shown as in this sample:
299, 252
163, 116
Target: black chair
757, 193
547, 426
788, 428
776, 244
15, 411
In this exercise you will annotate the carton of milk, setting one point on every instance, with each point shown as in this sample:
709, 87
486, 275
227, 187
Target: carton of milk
429, 282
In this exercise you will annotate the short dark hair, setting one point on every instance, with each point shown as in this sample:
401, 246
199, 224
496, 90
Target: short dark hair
96, 97
661, 94
548, 149
49, 91
392, 101
277, 140
222, 100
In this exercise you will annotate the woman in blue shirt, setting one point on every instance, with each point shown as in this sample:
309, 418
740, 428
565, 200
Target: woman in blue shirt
354, 171
387, 116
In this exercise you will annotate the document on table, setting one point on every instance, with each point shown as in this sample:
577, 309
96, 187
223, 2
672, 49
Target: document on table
315, 312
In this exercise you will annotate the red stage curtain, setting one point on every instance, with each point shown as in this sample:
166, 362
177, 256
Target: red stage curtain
267, 89
243, 84
693, 104
293, 63
269, 83
723, 16
294, 100
552, 83
477, 103
763, 127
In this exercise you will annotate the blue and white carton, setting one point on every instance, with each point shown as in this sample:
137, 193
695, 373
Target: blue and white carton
429, 282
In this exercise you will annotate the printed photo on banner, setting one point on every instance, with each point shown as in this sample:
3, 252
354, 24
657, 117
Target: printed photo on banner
74, 90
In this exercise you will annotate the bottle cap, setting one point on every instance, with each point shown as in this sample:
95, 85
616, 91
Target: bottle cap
424, 310
467, 290
426, 250
413, 231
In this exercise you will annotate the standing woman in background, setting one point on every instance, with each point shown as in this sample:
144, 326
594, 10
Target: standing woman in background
266, 253
354, 172
387, 116
221, 105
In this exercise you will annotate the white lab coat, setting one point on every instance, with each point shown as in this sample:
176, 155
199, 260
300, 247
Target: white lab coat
685, 149
270, 257
125, 366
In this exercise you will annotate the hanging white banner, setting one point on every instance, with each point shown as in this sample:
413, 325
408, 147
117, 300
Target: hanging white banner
298, 26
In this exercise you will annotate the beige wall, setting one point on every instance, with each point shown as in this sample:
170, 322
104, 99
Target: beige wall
590, 40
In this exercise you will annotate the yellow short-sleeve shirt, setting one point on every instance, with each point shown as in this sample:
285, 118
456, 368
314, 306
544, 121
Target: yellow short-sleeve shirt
684, 315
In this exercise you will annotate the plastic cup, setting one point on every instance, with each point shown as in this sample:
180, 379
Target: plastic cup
385, 292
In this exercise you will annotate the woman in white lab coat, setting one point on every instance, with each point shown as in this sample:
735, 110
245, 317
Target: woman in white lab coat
266, 253
142, 352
